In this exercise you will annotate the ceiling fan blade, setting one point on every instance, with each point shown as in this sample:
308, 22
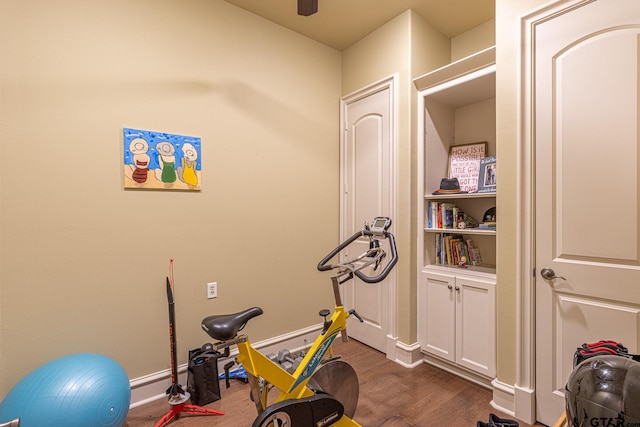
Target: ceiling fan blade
307, 7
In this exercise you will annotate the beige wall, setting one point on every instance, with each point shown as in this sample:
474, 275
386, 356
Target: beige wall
474, 40
508, 47
83, 262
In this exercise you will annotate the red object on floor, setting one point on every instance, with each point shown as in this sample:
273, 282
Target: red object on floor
187, 409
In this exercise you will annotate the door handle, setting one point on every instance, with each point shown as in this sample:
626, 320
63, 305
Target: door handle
548, 274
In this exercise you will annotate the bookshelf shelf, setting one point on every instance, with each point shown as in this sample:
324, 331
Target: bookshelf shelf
483, 271
460, 196
470, 231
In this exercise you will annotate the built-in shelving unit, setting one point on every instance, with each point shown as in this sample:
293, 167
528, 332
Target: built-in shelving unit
456, 303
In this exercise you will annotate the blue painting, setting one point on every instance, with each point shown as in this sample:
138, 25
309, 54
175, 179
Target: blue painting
161, 161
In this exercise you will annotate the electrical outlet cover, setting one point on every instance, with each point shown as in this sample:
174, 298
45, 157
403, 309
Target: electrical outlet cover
212, 290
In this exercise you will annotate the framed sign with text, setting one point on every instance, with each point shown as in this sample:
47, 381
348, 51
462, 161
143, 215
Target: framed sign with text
464, 164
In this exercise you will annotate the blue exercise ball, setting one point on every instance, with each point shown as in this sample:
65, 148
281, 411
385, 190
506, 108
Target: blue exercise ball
80, 390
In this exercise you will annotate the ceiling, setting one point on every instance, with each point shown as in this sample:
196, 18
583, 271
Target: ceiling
341, 23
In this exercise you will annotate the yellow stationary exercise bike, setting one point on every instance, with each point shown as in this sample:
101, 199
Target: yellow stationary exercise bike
321, 391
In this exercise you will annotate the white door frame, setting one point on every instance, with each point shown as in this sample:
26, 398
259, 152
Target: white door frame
524, 398
390, 83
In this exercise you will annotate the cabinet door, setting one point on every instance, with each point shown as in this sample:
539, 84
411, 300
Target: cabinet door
475, 325
437, 315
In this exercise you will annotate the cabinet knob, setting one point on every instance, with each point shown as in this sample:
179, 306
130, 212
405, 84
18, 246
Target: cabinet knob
458, 288
450, 287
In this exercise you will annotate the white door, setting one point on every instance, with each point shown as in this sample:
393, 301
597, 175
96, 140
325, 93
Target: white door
367, 179
585, 136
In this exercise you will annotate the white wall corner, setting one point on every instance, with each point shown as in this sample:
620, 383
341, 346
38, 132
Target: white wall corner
407, 355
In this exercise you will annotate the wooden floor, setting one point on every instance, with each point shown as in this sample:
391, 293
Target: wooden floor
390, 396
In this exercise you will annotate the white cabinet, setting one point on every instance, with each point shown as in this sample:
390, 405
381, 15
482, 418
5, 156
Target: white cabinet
456, 320
456, 305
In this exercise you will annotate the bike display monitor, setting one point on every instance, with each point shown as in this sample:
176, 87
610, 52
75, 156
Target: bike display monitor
380, 225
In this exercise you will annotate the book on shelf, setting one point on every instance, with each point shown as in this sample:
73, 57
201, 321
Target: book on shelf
441, 215
456, 250
475, 258
444, 215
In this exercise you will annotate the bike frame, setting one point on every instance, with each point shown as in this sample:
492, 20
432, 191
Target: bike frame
262, 371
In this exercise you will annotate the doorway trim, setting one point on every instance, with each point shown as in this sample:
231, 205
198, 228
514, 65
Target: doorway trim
390, 83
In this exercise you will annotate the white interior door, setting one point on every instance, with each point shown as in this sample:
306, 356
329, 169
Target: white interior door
367, 177
586, 76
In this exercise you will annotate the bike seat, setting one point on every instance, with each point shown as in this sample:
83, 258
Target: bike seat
223, 327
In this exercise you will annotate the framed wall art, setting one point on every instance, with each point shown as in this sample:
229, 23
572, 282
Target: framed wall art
161, 161
487, 177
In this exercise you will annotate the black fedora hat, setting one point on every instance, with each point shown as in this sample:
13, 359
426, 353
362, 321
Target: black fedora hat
449, 186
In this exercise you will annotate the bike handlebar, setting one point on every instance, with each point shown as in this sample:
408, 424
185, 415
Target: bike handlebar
322, 265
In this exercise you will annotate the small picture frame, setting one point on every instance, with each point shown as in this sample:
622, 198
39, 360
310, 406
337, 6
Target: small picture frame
487, 177
464, 164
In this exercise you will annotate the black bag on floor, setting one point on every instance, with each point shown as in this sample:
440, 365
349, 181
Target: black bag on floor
202, 377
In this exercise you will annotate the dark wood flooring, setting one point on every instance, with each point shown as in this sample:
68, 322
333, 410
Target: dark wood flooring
390, 396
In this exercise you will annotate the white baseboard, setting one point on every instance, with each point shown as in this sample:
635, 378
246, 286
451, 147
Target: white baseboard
457, 370
408, 355
503, 397
513, 400
154, 386
525, 404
